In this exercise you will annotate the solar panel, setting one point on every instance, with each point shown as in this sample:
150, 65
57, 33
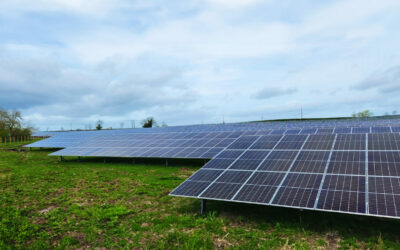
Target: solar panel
346, 173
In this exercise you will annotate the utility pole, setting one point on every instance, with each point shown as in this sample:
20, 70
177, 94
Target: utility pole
301, 113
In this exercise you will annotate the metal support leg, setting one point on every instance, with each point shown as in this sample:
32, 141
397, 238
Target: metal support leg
300, 216
203, 207
61, 158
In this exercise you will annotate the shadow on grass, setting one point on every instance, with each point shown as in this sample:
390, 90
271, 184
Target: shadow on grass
142, 161
262, 217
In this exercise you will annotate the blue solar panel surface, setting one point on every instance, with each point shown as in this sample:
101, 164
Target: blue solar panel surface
347, 173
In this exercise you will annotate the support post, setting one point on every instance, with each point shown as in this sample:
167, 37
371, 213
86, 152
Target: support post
104, 160
61, 158
133, 161
166, 162
79, 159
203, 207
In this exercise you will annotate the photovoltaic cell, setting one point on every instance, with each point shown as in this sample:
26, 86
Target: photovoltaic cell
342, 130
384, 163
311, 162
243, 142
380, 130
325, 131
308, 131
234, 176
190, 188
298, 190
347, 162
278, 161
350, 142
292, 131
384, 196
266, 142
384, 141
230, 154
360, 130
291, 142
256, 193
219, 163
320, 142
266, 178
246, 164
220, 190
205, 175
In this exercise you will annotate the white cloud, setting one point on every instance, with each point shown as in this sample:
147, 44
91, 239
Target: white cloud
234, 3
92, 7
192, 62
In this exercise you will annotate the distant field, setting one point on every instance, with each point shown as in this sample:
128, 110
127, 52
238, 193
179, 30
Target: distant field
45, 203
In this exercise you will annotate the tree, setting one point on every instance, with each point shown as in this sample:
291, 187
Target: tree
149, 122
394, 112
11, 124
363, 114
99, 124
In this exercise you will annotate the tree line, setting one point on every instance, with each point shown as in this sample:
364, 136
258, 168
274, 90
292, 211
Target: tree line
11, 124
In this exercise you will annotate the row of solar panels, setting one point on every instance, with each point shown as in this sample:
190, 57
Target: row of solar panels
186, 148
65, 140
241, 127
330, 173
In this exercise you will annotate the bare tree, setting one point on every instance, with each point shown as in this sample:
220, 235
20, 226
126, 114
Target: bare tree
11, 123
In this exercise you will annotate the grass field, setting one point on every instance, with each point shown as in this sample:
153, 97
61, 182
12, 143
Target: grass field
45, 203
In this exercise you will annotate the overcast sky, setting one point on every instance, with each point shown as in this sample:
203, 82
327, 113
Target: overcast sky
66, 62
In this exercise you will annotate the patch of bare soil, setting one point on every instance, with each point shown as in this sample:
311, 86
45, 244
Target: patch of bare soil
47, 210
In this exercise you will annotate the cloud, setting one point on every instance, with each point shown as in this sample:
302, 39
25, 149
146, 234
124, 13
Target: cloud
386, 81
234, 3
111, 88
92, 8
186, 63
268, 93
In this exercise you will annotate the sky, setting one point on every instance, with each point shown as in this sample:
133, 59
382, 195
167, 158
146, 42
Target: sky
68, 63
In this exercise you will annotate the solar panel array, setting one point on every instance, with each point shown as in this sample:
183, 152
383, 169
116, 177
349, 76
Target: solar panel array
348, 173
165, 145
348, 167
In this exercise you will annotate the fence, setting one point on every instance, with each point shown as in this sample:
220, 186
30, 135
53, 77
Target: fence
20, 139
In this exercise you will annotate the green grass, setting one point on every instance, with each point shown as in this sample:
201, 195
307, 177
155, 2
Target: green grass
45, 203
